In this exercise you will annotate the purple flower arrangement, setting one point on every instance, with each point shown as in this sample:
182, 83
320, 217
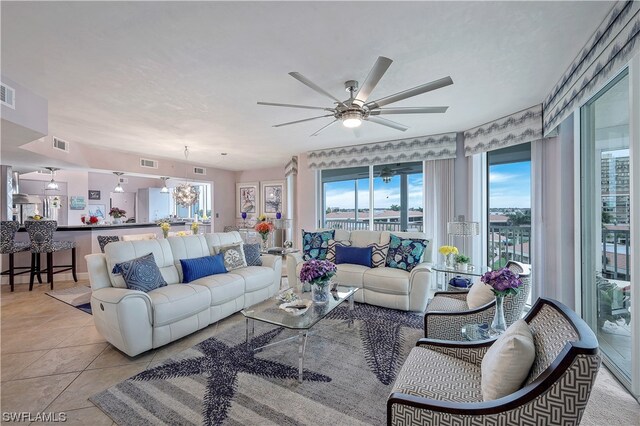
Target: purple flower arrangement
504, 281
317, 272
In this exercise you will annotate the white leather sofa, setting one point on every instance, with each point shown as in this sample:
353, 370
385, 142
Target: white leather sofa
135, 321
382, 286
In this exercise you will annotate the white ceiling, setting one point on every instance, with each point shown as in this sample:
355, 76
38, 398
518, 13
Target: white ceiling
151, 77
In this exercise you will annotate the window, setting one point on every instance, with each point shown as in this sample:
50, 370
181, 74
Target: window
397, 197
509, 203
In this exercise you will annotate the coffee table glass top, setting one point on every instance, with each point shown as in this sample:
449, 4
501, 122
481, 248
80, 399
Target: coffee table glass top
269, 311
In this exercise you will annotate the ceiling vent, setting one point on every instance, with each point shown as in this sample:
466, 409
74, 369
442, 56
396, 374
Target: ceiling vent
60, 144
7, 96
200, 171
149, 164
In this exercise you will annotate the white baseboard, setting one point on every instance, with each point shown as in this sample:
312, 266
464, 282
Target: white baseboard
24, 279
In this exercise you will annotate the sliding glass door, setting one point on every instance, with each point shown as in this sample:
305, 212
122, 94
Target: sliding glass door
606, 231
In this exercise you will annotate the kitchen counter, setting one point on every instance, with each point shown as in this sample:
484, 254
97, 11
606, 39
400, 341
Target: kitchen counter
110, 227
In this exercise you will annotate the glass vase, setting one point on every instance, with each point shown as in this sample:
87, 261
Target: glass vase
320, 294
499, 324
165, 233
450, 261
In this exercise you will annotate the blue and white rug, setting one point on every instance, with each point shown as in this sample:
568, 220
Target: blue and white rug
351, 361
78, 297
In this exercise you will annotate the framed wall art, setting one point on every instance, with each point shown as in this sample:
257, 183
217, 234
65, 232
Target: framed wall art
247, 199
273, 197
77, 202
94, 194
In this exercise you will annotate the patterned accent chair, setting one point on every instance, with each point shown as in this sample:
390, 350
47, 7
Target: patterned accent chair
41, 241
8, 245
439, 384
448, 311
103, 240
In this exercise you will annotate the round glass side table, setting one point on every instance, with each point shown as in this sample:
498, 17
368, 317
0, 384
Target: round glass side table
473, 332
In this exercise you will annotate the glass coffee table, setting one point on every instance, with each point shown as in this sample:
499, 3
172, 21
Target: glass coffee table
269, 312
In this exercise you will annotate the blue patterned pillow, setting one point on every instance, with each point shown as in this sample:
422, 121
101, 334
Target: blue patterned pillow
252, 254
315, 244
140, 274
199, 267
405, 253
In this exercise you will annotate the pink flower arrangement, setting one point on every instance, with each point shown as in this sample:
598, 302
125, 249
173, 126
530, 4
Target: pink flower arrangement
317, 272
264, 228
503, 281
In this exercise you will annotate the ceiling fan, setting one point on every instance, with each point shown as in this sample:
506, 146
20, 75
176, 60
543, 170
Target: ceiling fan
353, 111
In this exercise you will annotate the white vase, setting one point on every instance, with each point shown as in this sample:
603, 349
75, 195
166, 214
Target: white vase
116, 220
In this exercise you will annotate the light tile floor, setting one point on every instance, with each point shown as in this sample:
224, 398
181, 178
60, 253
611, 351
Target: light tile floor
53, 358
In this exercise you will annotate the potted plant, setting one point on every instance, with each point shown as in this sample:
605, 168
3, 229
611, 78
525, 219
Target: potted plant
462, 262
317, 274
503, 282
117, 214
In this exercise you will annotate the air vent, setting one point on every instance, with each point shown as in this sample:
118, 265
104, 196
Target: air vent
60, 144
7, 96
150, 164
199, 171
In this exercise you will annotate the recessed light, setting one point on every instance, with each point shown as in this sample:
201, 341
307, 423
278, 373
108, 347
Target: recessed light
223, 153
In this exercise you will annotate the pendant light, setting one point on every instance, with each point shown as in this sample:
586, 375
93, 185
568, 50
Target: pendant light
52, 185
186, 194
118, 187
164, 189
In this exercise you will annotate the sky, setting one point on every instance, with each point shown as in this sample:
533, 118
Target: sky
509, 186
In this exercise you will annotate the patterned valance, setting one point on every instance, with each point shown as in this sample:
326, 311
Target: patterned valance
434, 147
291, 168
521, 127
607, 51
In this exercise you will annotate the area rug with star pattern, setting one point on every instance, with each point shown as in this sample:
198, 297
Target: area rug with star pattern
350, 364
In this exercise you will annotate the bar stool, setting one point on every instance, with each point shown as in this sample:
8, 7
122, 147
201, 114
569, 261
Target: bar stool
41, 237
8, 245
103, 240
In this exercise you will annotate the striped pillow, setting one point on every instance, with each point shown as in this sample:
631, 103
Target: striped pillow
378, 254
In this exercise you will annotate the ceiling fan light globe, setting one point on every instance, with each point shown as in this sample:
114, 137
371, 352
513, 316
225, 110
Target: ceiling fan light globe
351, 122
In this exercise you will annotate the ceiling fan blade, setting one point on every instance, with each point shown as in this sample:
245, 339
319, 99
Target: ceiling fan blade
304, 80
427, 87
416, 110
322, 128
294, 106
376, 73
302, 121
387, 123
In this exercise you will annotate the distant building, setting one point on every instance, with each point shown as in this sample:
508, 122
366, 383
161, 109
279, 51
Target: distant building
614, 175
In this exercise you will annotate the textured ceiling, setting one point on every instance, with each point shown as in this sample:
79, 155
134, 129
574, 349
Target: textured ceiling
151, 77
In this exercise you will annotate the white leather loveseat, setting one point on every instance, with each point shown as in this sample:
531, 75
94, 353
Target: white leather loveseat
135, 321
382, 286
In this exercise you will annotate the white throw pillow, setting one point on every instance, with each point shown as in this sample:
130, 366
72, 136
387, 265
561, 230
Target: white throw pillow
506, 364
479, 295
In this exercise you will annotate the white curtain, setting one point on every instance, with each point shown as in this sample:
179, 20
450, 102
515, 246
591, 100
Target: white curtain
438, 201
553, 216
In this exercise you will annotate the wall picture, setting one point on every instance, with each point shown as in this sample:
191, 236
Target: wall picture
97, 210
273, 197
247, 199
94, 194
77, 202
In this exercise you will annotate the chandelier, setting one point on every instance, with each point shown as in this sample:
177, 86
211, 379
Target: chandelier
186, 194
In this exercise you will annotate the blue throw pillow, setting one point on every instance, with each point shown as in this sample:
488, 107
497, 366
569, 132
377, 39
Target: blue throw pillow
140, 274
405, 253
354, 255
252, 254
316, 244
192, 269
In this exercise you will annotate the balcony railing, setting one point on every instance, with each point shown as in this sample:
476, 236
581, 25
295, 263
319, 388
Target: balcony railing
378, 225
616, 254
509, 243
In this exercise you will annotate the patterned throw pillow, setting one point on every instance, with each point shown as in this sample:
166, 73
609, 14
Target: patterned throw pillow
331, 250
405, 253
315, 244
252, 254
233, 256
378, 254
140, 274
